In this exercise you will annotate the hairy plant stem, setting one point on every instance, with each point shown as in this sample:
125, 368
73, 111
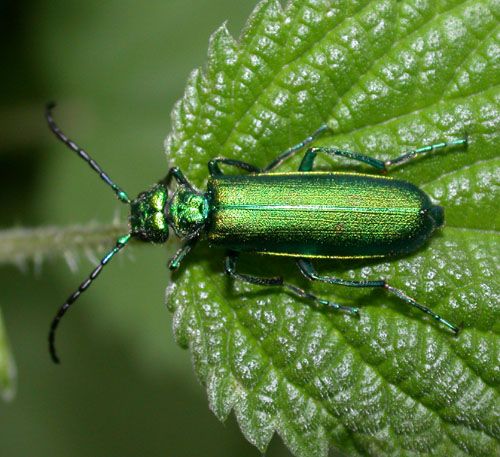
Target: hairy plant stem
19, 246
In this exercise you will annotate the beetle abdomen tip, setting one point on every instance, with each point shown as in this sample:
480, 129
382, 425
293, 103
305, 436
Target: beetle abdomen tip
437, 214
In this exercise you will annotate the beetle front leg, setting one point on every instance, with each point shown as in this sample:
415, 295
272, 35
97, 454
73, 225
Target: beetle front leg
230, 268
179, 256
178, 175
310, 272
214, 168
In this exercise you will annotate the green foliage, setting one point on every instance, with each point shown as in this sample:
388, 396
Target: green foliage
7, 369
386, 76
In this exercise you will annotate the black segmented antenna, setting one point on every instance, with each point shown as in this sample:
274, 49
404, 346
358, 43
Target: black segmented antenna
120, 243
120, 193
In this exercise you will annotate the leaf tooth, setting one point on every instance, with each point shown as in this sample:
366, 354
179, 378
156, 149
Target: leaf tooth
266, 12
256, 409
222, 53
189, 134
222, 392
182, 321
300, 422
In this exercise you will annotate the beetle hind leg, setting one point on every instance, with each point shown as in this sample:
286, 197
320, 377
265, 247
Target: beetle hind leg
230, 268
308, 270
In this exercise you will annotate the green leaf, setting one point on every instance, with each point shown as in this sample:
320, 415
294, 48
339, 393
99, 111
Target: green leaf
386, 76
7, 367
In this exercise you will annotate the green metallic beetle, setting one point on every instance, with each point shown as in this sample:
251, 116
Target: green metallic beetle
305, 215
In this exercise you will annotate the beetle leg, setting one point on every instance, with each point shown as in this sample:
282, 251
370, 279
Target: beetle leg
310, 155
296, 148
400, 294
214, 169
230, 268
178, 257
308, 160
410, 155
178, 175
310, 272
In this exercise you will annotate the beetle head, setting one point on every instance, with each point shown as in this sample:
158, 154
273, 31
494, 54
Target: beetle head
147, 215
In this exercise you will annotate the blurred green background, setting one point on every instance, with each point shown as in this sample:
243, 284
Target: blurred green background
115, 68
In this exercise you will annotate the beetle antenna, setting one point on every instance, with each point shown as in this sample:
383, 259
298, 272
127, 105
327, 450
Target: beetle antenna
121, 194
120, 243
